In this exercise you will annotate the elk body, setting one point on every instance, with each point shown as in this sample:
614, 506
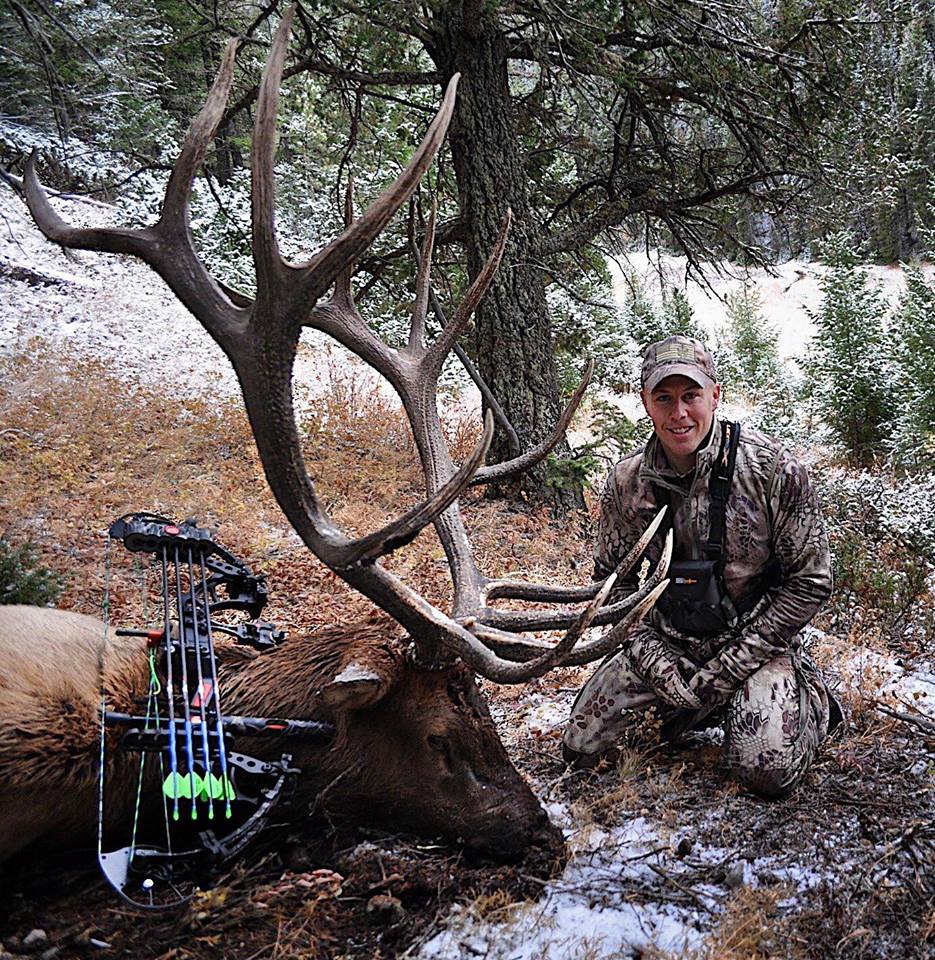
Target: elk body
415, 743
414, 749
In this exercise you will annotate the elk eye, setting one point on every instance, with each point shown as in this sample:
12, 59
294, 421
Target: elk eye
440, 745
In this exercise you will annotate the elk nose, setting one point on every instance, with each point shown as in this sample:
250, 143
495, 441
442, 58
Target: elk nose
547, 841
510, 839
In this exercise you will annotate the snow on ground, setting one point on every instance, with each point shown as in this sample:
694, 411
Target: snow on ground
118, 309
586, 912
590, 909
789, 291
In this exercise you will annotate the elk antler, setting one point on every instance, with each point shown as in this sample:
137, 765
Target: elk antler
260, 338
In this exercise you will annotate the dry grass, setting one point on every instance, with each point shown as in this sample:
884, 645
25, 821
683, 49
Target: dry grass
750, 927
79, 447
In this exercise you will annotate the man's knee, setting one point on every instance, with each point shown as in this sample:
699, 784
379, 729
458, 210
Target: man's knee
769, 780
771, 734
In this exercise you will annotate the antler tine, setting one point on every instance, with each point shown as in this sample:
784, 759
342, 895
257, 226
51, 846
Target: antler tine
511, 468
516, 648
600, 648
561, 619
629, 561
317, 275
521, 590
266, 257
423, 283
449, 336
480, 655
105, 239
201, 132
167, 245
407, 527
563, 648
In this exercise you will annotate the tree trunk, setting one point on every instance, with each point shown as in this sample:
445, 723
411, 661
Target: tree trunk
512, 328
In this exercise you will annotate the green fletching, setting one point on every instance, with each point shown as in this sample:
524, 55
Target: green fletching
177, 786
183, 786
220, 787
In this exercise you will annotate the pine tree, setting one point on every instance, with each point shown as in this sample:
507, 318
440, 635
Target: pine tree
912, 443
847, 369
749, 366
748, 353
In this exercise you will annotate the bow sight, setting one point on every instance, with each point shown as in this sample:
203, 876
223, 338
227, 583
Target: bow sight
210, 800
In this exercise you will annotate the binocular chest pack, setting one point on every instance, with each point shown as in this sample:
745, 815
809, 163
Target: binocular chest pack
697, 601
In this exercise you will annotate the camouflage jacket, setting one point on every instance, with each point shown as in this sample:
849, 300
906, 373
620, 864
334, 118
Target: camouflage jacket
772, 513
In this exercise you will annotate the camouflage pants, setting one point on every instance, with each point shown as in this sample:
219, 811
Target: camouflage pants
773, 724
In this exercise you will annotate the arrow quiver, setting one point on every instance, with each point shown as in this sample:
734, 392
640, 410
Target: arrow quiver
198, 801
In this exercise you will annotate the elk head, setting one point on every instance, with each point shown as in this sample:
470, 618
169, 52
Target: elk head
476, 787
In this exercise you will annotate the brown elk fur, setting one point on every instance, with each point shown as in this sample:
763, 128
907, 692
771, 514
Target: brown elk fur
414, 748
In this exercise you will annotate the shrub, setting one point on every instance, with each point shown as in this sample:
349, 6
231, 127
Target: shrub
614, 435
23, 579
882, 534
749, 366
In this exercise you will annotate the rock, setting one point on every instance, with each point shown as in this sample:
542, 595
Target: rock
50, 954
34, 941
384, 908
735, 875
684, 847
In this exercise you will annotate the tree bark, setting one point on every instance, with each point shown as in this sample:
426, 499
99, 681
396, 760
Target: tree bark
513, 333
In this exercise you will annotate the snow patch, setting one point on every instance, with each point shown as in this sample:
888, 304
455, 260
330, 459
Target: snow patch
788, 291
584, 910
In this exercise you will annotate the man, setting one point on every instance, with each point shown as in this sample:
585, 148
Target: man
750, 568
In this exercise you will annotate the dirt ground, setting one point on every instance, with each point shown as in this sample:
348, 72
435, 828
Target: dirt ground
861, 826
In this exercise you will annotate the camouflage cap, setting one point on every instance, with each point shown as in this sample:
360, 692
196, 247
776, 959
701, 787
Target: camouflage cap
677, 356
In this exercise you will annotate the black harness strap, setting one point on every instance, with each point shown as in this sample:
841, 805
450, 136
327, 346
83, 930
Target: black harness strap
722, 474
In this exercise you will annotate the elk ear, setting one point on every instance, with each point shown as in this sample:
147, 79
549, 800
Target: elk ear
357, 686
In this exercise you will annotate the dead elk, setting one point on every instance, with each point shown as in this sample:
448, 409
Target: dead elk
415, 742
415, 749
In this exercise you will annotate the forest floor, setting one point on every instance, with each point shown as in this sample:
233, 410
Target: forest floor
100, 415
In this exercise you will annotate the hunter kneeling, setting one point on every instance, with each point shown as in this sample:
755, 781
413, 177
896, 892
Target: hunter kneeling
751, 566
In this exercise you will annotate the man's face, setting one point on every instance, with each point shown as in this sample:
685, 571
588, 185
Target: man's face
682, 413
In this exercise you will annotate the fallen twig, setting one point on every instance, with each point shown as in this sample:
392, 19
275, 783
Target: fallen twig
695, 896
923, 723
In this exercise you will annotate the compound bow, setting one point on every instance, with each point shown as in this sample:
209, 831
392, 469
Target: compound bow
205, 785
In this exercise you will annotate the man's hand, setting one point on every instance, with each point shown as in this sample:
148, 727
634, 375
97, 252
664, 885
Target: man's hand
712, 685
666, 671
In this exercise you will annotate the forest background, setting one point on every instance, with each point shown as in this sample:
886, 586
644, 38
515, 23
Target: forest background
742, 134
732, 135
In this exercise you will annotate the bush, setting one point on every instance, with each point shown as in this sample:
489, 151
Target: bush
24, 580
882, 534
749, 366
614, 436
